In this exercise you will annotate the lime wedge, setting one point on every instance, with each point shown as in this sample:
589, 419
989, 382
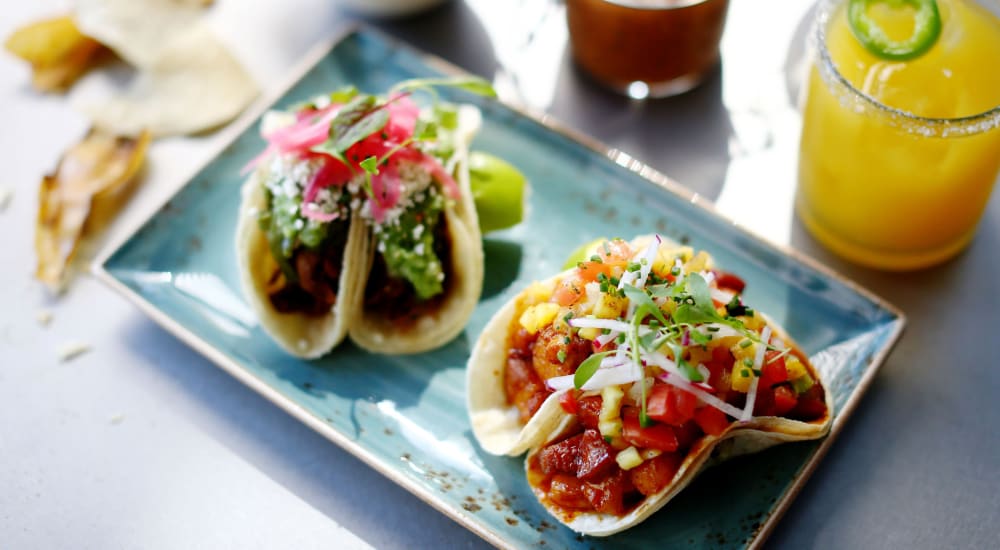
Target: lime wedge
582, 253
497, 190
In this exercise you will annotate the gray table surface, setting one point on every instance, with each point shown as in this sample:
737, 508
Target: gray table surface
142, 443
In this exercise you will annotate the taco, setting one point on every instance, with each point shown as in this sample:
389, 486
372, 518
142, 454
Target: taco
358, 219
628, 374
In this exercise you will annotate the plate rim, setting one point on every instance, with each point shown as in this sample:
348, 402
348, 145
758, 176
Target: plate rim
315, 55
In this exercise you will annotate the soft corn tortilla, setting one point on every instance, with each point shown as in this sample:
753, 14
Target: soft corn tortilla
305, 336
378, 334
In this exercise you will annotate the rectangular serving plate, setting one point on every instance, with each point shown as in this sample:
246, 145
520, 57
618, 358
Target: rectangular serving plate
405, 416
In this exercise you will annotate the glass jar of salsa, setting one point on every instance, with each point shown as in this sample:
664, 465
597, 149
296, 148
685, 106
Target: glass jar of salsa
646, 48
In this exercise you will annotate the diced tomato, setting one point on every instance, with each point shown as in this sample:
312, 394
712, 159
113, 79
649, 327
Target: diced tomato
711, 420
589, 411
728, 280
658, 436
687, 434
654, 474
671, 405
811, 404
568, 292
589, 271
567, 491
774, 371
608, 496
568, 402
764, 403
784, 400
561, 457
596, 457
719, 368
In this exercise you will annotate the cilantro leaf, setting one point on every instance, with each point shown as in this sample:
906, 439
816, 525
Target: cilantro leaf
644, 303
370, 165
698, 289
692, 314
588, 368
690, 371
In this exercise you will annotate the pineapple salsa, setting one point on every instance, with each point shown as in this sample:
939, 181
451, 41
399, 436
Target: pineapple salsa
655, 352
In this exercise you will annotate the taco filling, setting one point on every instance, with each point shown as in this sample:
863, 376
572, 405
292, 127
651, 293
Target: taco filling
656, 356
381, 158
306, 237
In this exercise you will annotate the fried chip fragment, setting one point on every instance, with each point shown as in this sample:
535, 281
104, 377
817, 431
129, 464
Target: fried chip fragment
187, 80
57, 51
89, 185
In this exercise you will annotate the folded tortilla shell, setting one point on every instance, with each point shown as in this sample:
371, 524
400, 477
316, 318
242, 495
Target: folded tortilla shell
738, 439
378, 334
306, 336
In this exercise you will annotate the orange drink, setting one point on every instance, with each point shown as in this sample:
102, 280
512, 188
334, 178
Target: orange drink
899, 153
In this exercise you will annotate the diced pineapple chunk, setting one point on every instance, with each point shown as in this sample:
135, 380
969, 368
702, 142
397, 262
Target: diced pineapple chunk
741, 353
609, 421
700, 262
755, 322
741, 378
609, 307
797, 373
589, 333
628, 459
794, 367
610, 428
538, 316
538, 292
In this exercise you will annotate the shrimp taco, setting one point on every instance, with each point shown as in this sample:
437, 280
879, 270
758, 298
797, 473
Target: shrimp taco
628, 374
358, 219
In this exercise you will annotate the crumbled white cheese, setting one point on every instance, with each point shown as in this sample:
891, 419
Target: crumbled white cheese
419, 249
71, 350
44, 317
418, 230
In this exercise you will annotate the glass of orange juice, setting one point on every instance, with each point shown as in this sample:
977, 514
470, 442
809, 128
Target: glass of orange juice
900, 145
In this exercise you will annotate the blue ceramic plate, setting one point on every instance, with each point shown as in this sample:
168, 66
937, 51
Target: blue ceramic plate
405, 416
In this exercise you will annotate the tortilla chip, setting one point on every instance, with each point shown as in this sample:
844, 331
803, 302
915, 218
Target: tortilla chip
80, 198
195, 86
57, 51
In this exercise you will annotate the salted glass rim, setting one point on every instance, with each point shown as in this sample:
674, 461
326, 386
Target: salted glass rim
910, 122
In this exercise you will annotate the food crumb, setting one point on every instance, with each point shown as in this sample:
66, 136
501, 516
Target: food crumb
44, 317
117, 419
6, 193
71, 350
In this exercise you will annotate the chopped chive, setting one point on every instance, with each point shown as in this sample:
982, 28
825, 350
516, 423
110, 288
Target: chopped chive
748, 362
745, 373
561, 355
596, 258
745, 343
